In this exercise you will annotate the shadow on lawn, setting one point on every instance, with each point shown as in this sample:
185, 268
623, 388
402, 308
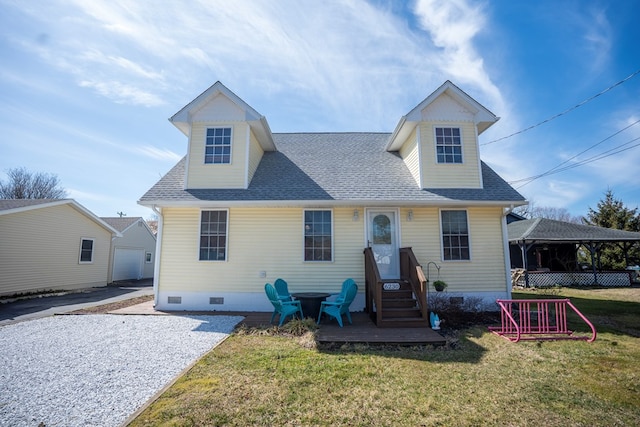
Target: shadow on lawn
608, 316
615, 317
459, 348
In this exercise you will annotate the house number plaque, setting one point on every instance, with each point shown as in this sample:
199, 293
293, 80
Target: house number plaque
391, 286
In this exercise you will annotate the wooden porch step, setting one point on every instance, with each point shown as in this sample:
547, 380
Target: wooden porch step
401, 293
401, 313
398, 303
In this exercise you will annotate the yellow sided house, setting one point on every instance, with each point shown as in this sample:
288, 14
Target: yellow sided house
52, 244
390, 210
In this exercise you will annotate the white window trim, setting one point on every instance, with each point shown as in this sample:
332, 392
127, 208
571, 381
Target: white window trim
332, 235
226, 252
468, 234
435, 144
204, 156
93, 250
419, 149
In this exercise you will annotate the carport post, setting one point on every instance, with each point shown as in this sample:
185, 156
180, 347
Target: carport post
593, 249
524, 249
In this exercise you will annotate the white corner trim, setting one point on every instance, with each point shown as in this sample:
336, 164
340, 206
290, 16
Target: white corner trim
247, 157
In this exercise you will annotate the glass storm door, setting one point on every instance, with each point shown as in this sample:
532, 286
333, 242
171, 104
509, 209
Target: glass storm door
382, 238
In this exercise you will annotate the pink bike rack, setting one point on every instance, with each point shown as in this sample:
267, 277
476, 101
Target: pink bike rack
538, 319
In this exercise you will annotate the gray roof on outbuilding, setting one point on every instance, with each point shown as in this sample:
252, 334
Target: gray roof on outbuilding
549, 230
331, 167
120, 223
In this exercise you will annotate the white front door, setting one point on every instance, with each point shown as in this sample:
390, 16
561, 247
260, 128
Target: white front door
382, 237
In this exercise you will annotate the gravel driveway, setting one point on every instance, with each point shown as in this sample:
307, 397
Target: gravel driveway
96, 370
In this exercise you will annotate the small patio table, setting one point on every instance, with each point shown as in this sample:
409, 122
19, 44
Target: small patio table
310, 302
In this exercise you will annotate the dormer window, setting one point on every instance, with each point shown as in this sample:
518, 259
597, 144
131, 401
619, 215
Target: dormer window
448, 145
218, 146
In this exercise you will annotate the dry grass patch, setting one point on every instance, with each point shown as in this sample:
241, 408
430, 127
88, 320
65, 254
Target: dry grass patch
274, 377
105, 308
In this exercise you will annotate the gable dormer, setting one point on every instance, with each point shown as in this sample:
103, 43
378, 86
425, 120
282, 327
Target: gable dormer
226, 139
438, 139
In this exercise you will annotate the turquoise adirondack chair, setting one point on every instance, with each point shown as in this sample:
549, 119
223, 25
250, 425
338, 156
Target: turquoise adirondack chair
284, 308
338, 308
343, 292
283, 290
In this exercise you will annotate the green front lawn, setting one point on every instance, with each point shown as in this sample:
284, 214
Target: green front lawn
257, 378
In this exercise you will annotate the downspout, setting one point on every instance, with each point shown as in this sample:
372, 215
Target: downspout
156, 265
112, 250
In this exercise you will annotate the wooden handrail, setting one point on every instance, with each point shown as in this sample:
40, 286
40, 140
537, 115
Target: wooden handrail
373, 286
411, 271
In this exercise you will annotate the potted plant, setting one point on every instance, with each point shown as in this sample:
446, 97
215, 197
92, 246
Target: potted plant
439, 285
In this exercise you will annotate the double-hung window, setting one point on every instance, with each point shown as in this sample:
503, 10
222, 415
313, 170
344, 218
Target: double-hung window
217, 147
455, 236
448, 145
318, 235
213, 235
86, 250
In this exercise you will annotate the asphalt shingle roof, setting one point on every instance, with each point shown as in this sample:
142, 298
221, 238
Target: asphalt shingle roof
6, 204
331, 167
120, 223
543, 229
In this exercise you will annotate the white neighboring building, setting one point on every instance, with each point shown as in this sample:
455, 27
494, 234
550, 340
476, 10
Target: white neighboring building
132, 255
51, 244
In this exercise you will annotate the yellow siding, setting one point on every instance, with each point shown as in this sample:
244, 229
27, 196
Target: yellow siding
434, 175
485, 270
270, 240
255, 155
410, 154
260, 240
40, 249
201, 175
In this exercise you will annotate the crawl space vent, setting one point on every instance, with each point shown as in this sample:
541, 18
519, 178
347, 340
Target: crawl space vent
174, 300
216, 300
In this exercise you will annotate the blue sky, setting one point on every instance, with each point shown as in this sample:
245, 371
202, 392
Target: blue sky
86, 87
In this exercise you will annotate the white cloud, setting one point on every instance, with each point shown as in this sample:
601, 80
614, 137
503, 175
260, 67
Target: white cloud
159, 154
351, 61
123, 93
598, 35
124, 63
453, 25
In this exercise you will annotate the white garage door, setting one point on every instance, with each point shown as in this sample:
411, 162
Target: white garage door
128, 264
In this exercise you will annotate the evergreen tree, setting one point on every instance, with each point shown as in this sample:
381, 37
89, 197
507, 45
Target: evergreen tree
612, 213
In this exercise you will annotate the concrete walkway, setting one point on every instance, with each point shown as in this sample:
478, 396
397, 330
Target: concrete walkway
45, 305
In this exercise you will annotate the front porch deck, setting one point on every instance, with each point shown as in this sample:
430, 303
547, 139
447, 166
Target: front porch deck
363, 329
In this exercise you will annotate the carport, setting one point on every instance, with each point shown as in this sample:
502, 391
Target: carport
528, 238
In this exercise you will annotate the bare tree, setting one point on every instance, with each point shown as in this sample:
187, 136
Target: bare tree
152, 222
23, 184
531, 211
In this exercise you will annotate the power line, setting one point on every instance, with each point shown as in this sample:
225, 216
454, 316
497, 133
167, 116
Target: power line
548, 172
592, 159
567, 110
